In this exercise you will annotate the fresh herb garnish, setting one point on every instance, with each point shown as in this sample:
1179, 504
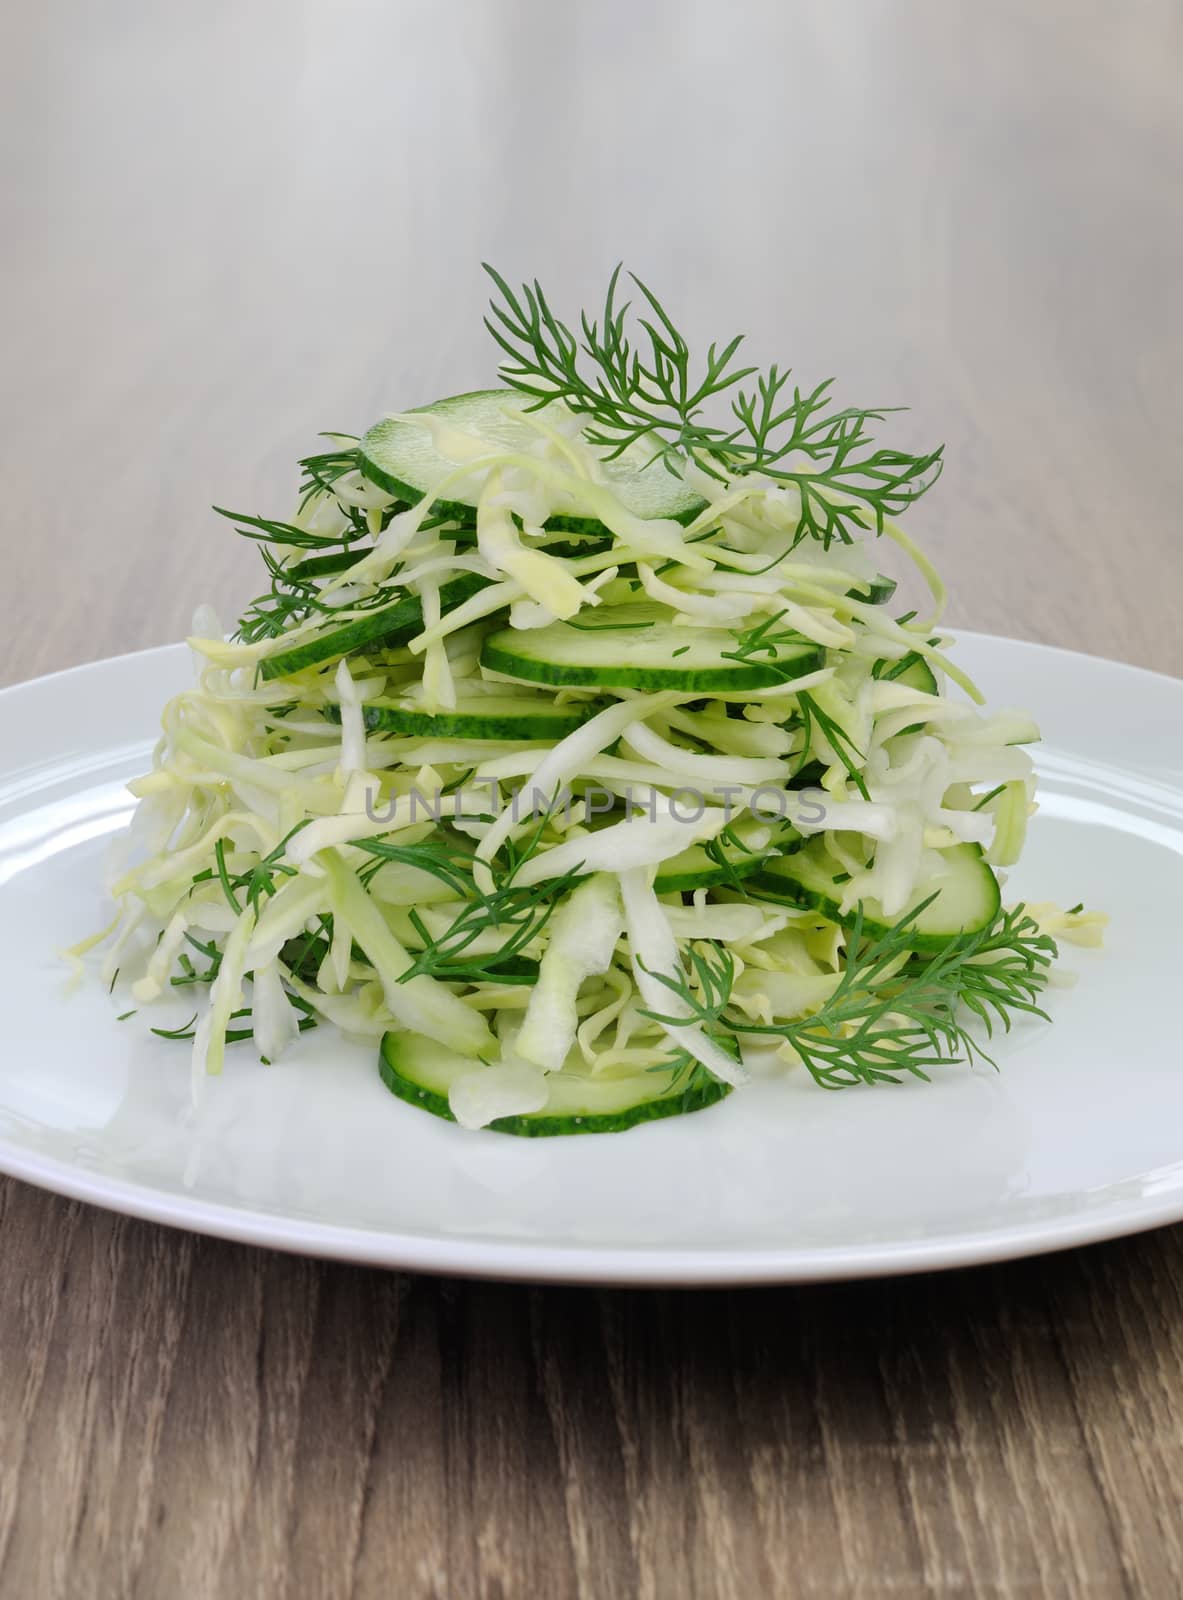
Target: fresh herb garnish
636, 382
893, 1012
517, 915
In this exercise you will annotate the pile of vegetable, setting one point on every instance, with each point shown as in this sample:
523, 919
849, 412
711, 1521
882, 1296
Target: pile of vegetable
576, 753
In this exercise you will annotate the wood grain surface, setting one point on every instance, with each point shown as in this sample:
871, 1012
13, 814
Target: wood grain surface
227, 226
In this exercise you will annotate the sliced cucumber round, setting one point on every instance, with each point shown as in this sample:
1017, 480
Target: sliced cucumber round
876, 591
911, 670
573, 547
967, 893
640, 647
479, 717
421, 1072
701, 868
914, 672
382, 630
401, 457
327, 566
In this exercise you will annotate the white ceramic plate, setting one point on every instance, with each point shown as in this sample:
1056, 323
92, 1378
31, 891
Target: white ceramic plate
1078, 1138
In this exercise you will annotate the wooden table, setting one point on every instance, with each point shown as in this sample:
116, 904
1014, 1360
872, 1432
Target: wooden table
230, 225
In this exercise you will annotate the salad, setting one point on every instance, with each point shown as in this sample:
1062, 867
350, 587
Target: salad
577, 756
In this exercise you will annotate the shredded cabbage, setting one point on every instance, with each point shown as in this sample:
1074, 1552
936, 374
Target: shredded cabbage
502, 897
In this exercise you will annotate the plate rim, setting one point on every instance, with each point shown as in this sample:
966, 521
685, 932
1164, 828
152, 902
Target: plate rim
571, 1262
592, 1265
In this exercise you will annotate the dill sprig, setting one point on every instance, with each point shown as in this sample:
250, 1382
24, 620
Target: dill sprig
762, 643
893, 1012
294, 597
287, 603
321, 471
294, 592
255, 881
518, 915
515, 913
268, 530
448, 863
729, 840
244, 1016
835, 736
635, 381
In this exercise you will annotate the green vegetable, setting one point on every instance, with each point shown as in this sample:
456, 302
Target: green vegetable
383, 628
736, 854
892, 1012
960, 892
633, 647
400, 454
508, 717
419, 1072
642, 388
568, 752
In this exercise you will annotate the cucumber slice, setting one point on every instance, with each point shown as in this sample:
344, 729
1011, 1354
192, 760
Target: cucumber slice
911, 670
697, 868
967, 894
914, 672
383, 630
479, 717
574, 548
326, 566
421, 1072
876, 591
400, 457
639, 647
